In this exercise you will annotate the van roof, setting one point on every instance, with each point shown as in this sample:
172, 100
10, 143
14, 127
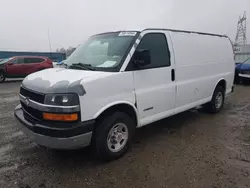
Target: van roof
186, 31
172, 30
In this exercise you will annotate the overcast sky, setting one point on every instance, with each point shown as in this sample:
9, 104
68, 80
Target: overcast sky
24, 23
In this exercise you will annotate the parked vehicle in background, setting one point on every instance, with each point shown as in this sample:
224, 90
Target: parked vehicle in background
119, 81
242, 71
21, 66
54, 56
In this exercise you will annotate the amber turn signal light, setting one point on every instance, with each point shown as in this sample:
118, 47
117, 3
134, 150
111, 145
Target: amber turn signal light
60, 117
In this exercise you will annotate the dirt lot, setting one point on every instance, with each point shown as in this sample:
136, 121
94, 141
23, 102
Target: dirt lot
193, 149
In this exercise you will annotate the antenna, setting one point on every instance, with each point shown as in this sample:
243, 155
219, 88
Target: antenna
241, 37
49, 40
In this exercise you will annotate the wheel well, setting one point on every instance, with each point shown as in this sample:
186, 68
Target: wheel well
122, 108
222, 83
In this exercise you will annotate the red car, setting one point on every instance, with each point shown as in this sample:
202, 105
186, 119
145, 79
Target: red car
21, 66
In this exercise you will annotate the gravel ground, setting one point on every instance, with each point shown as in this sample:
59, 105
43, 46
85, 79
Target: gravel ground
193, 149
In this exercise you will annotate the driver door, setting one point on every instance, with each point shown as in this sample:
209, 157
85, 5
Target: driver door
155, 87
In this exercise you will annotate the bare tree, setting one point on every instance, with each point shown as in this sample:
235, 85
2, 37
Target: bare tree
67, 51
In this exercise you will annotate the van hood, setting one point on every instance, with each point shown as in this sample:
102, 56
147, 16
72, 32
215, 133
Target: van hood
60, 80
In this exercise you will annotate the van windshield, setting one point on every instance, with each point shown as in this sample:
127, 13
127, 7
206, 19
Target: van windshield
104, 52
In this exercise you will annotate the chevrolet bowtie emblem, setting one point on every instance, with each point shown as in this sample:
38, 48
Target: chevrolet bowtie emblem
27, 101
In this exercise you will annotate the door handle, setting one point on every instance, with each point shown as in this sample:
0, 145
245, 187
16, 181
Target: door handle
173, 75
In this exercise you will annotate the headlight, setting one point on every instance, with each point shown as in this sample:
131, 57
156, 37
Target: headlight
62, 99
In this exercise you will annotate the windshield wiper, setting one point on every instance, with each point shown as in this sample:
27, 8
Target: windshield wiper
83, 66
62, 63
66, 65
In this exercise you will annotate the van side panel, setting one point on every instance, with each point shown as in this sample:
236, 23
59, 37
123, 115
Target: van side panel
201, 61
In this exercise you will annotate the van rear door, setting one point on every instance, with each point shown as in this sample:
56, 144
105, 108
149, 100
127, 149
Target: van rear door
155, 83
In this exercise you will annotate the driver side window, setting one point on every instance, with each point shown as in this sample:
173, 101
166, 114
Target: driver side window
157, 45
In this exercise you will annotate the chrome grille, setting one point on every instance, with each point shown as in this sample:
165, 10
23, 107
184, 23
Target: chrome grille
38, 97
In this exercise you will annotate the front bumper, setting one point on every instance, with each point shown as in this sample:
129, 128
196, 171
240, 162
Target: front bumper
71, 137
246, 76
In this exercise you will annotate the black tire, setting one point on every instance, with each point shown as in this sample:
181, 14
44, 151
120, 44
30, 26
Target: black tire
100, 136
2, 77
236, 78
212, 106
243, 81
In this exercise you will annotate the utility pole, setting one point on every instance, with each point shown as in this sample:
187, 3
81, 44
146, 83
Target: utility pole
50, 49
241, 37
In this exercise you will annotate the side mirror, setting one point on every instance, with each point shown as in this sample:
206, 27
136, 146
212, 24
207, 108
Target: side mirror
10, 64
142, 58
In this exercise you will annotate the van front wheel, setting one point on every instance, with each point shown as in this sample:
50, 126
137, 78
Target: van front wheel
113, 136
217, 102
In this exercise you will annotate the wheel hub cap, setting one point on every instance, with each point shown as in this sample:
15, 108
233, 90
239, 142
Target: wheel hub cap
117, 137
218, 100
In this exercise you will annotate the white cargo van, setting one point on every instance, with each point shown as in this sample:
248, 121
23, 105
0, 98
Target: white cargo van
119, 81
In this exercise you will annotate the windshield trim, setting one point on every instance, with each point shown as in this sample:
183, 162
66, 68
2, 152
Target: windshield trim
118, 68
115, 32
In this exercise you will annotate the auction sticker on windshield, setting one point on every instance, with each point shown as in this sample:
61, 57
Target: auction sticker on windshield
127, 33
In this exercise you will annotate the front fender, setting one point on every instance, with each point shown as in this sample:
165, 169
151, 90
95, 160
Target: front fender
104, 108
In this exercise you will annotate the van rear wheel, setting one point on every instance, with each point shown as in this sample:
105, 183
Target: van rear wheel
217, 102
113, 135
